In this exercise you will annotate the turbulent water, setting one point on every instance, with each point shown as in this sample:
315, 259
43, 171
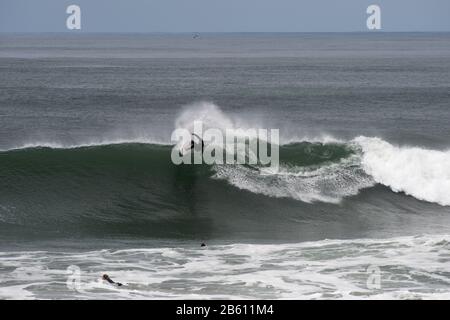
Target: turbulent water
86, 179
410, 268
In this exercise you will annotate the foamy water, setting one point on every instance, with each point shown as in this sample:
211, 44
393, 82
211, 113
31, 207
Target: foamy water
421, 173
409, 268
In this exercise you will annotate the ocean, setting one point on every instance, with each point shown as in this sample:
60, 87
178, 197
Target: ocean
360, 208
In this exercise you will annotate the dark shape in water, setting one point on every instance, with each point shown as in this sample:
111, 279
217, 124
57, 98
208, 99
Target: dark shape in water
107, 278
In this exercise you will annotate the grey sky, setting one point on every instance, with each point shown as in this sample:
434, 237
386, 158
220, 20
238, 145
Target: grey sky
223, 15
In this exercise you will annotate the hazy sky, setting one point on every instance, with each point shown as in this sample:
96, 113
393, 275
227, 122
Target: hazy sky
223, 15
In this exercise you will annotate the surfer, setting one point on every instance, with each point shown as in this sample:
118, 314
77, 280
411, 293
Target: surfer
107, 278
193, 143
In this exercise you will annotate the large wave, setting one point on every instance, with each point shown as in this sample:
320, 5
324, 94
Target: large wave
311, 169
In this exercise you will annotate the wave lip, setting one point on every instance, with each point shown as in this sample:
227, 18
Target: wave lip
88, 144
421, 173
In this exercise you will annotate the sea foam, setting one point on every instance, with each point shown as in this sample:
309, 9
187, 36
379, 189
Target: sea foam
421, 173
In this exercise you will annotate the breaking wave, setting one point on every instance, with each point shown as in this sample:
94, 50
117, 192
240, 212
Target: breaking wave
311, 169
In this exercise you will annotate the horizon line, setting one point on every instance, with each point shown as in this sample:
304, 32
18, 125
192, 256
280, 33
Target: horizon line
80, 32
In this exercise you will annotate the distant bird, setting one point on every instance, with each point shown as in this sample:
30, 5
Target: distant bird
195, 36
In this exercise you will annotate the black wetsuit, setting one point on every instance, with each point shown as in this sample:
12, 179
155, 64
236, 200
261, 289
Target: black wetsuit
107, 278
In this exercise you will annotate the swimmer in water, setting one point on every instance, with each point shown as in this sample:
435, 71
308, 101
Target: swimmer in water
107, 278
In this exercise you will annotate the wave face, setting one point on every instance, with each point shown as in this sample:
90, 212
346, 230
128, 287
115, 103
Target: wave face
145, 175
134, 187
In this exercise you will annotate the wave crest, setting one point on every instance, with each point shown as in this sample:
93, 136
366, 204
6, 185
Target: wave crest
421, 173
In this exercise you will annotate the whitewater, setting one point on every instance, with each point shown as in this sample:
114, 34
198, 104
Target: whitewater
408, 268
